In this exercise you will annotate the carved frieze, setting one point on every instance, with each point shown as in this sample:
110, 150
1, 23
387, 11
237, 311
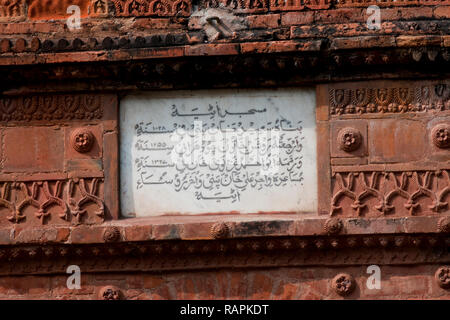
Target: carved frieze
52, 202
125, 8
38, 9
387, 3
12, 9
385, 147
397, 193
238, 253
265, 5
51, 108
366, 100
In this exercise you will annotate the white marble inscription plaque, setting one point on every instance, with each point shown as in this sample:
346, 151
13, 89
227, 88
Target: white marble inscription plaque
218, 151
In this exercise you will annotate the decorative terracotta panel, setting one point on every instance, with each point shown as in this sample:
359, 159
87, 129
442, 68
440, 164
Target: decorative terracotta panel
388, 3
152, 7
268, 5
58, 159
388, 148
41, 9
14, 9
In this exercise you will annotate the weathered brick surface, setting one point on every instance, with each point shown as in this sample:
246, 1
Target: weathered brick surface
118, 30
279, 46
33, 149
278, 283
419, 41
442, 12
216, 49
160, 259
43, 10
363, 42
264, 21
297, 18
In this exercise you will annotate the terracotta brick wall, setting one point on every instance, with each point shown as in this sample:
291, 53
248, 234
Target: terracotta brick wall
51, 76
276, 283
265, 29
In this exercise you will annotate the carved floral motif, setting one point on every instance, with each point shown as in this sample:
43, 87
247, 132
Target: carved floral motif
343, 284
349, 139
390, 192
152, 7
444, 224
71, 197
264, 5
82, 140
110, 293
441, 135
111, 234
16, 8
11, 8
333, 226
50, 107
389, 100
220, 230
98, 7
442, 277
387, 3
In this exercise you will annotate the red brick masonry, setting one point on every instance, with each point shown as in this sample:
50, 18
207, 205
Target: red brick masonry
383, 110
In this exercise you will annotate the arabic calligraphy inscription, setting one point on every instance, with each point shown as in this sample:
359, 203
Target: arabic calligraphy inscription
218, 151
